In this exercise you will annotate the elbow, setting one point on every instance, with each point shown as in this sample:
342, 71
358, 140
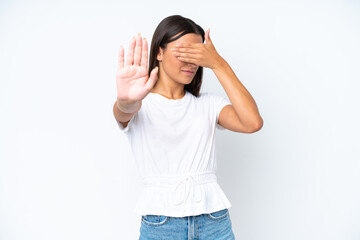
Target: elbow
258, 125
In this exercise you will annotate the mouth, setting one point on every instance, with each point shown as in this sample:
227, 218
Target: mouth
189, 72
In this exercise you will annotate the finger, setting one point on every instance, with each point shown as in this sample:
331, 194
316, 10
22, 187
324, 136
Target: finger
189, 45
137, 55
130, 54
191, 51
186, 55
186, 50
207, 36
189, 60
152, 79
121, 57
144, 58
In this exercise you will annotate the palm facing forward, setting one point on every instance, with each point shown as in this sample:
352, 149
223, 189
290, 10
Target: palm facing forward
132, 81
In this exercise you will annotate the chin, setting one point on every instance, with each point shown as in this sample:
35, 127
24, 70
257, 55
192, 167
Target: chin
189, 81
185, 82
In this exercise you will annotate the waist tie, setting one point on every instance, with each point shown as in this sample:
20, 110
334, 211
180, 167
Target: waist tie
186, 181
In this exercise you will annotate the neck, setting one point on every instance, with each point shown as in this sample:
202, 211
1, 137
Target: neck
168, 88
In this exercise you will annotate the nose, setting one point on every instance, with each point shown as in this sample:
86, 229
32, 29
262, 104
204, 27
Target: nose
192, 65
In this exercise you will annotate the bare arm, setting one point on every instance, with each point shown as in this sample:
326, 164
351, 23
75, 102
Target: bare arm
242, 115
127, 111
132, 81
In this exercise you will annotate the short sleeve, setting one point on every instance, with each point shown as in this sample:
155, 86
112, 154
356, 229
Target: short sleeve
219, 102
129, 125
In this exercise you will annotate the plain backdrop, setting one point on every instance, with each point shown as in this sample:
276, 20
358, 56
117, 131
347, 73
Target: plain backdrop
66, 170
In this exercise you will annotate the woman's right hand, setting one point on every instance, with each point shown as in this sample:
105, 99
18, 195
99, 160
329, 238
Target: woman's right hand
132, 81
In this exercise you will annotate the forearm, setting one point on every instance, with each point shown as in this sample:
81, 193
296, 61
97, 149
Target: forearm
123, 112
242, 101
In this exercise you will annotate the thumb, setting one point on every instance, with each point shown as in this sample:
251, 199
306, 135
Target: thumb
152, 79
207, 36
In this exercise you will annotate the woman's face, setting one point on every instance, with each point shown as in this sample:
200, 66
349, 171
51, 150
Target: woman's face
172, 68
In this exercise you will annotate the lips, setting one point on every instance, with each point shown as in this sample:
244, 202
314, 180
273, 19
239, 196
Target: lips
189, 71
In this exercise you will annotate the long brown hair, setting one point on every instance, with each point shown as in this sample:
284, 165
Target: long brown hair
164, 33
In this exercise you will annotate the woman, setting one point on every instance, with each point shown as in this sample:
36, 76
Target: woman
171, 127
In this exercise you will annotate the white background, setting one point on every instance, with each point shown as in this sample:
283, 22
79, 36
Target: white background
66, 170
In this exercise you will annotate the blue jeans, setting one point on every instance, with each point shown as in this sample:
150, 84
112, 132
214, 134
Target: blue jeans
208, 226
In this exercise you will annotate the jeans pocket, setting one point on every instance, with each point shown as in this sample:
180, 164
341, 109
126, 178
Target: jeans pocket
154, 220
218, 214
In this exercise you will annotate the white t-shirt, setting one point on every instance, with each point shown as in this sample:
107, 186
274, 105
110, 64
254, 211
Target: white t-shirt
173, 143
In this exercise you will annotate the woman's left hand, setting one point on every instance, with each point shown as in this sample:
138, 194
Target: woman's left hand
201, 54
